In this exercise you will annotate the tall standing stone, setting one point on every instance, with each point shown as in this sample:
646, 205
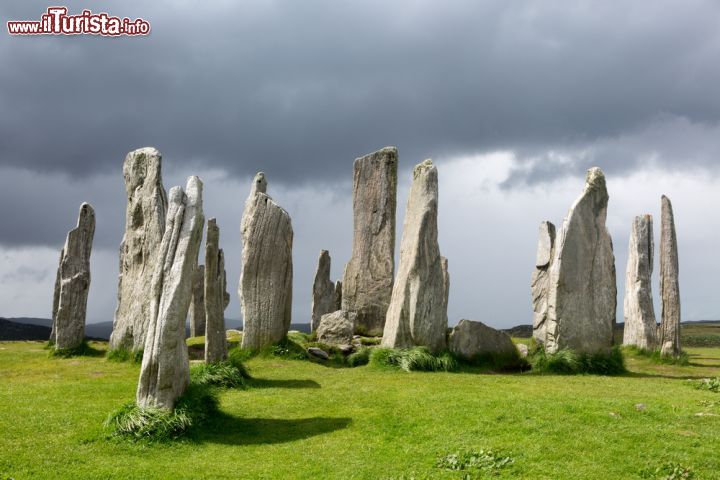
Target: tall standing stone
418, 309
140, 247
368, 278
73, 282
540, 278
338, 295
216, 298
165, 371
582, 293
640, 325
669, 282
267, 270
323, 294
446, 280
197, 302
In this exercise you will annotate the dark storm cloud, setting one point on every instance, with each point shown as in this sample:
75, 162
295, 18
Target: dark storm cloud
301, 88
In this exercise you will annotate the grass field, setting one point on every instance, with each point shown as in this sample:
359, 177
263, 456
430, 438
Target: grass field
305, 420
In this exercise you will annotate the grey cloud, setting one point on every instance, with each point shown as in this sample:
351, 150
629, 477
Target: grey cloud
300, 89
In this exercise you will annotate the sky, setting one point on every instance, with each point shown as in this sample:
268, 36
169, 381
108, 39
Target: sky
513, 101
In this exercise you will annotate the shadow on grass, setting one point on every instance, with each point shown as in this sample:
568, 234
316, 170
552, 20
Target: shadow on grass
272, 383
228, 430
660, 375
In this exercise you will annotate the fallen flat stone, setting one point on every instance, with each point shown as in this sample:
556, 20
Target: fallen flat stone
336, 328
318, 353
471, 340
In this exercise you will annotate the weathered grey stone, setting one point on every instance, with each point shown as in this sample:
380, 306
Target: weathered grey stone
540, 277
669, 282
197, 302
267, 270
471, 339
582, 293
446, 281
73, 282
418, 311
640, 325
165, 372
144, 228
323, 294
336, 328
318, 353
216, 297
368, 278
338, 295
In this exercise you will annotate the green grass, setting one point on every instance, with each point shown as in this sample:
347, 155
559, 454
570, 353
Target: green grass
85, 349
125, 355
570, 362
655, 356
303, 420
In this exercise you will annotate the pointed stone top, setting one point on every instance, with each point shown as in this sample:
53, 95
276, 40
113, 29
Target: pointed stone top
147, 151
212, 221
595, 180
423, 167
176, 195
259, 184
665, 199
324, 253
390, 152
193, 190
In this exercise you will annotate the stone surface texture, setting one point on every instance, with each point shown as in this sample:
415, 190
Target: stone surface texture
669, 331
582, 290
267, 269
540, 277
216, 296
417, 315
640, 324
336, 328
338, 295
323, 292
165, 371
368, 278
471, 339
140, 247
73, 282
197, 302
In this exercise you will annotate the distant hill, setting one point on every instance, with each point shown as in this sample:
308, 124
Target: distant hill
28, 328
10, 330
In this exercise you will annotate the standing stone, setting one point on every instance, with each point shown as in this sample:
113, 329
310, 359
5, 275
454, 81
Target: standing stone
323, 294
216, 298
338, 295
418, 310
640, 325
540, 277
267, 270
669, 282
368, 279
165, 371
582, 293
73, 282
197, 302
140, 247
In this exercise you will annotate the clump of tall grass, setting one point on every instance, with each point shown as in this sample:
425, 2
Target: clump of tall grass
569, 362
221, 374
123, 354
682, 359
82, 350
413, 359
197, 405
361, 357
709, 384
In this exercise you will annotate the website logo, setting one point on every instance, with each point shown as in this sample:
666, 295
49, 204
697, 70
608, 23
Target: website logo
56, 21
